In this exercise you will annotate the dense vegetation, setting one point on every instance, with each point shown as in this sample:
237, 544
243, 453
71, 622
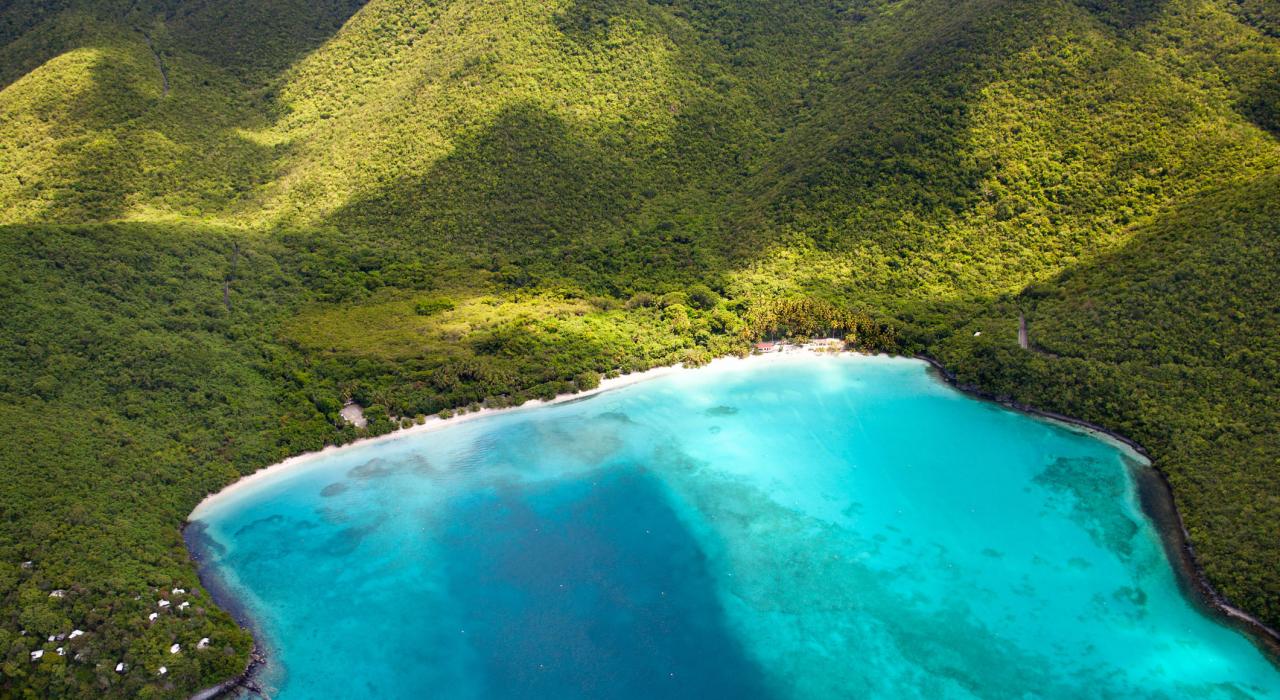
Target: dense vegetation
221, 220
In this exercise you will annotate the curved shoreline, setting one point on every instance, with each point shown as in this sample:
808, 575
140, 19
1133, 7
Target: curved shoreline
276, 471
225, 600
191, 530
1156, 496
195, 540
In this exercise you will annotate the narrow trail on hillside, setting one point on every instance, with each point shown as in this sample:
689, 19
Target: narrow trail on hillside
164, 72
1024, 338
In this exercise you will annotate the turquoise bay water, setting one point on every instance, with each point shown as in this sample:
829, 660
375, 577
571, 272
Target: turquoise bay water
799, 527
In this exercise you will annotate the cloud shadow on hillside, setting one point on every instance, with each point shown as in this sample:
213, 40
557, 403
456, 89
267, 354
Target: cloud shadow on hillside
537, 199
890, 139
1124, 15
250, 39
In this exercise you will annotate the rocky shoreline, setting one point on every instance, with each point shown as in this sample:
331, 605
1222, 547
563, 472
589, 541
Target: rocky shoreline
1157, 501
245, 681
194, 538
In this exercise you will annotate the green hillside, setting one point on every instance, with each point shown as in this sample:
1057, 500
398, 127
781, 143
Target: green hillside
219, 220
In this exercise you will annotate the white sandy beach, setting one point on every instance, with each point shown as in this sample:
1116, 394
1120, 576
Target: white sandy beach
277, 471
825, 348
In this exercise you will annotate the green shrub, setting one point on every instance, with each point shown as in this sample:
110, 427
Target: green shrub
586, 381
430, 307
702, 297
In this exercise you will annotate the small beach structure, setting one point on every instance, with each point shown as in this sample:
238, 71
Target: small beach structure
766, 346
354, 414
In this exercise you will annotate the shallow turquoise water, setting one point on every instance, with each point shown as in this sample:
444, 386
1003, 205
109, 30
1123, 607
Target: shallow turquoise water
796, 528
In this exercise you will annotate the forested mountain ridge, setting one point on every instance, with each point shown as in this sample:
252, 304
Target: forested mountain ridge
220, 219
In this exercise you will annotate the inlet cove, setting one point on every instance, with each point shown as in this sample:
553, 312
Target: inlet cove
790, 526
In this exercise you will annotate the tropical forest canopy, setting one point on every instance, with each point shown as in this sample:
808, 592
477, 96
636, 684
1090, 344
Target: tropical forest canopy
222, 219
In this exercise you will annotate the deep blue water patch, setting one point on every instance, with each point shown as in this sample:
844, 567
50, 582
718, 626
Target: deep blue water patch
589, 587
792, 528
